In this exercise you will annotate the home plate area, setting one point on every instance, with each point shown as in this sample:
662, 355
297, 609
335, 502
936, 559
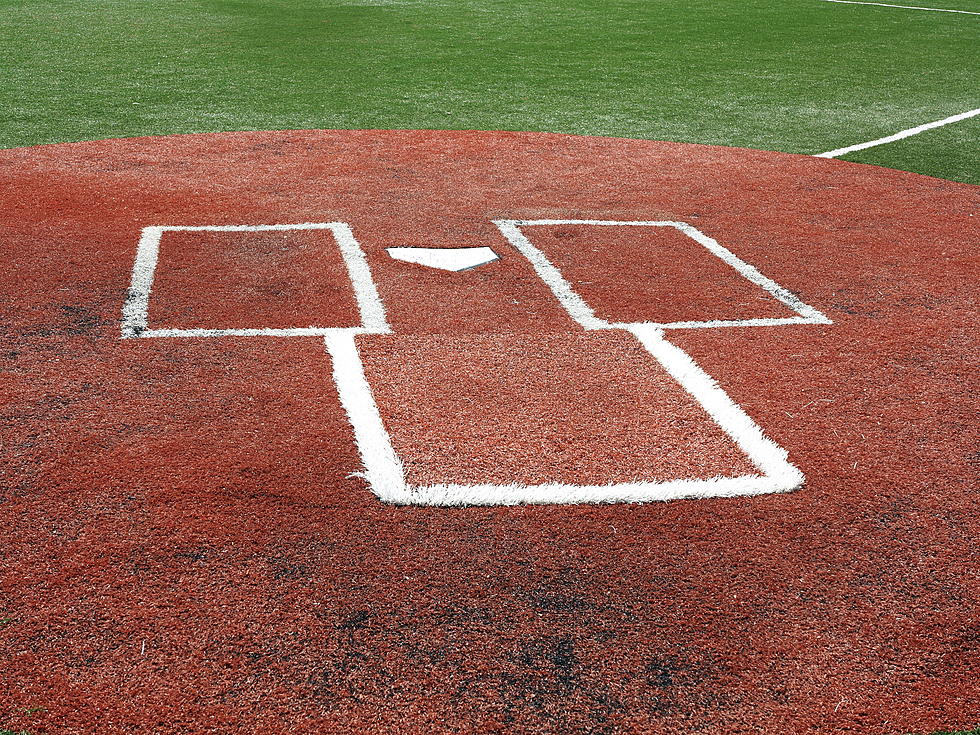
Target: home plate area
362, 431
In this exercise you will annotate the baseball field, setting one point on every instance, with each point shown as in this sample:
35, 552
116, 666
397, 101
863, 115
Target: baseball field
402, 366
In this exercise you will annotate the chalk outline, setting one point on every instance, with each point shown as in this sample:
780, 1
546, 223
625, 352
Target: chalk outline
383, 470
135, 311
385, 473
906, 7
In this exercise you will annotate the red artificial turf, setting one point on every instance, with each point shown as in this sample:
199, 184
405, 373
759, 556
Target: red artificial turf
228, 280
651, 274
585, 409
185, 546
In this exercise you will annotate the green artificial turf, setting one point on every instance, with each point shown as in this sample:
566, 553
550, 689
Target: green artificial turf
793, 75
938, 152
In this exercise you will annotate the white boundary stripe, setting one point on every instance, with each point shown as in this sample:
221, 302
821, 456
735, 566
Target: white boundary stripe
764, 453
715, 323
135, 312
250, 228
901, 134
368, 302
382, 469
136, 305
566, 295
261, 332
559, 493
907, 7
585, 314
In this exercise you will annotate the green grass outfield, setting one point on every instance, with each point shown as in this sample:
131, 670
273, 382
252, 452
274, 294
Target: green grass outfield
803, 76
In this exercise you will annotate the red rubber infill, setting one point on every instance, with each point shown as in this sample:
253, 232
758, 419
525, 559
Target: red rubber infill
186, 546
586, 409
232, 280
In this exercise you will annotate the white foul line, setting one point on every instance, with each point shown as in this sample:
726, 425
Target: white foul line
907, 7
902, 134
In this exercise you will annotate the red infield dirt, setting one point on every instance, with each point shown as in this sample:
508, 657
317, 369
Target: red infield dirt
186, 546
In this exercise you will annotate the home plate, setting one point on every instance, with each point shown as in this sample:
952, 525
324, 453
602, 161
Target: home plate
447, 259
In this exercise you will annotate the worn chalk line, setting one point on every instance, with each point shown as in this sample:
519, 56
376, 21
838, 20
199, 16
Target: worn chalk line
906, 7
901, 134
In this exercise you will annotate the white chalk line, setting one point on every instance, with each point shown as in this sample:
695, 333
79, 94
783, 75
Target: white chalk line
253, 332
901, 134
765, 454
573, 303
383, 470
368, 302
136, 306
135, 311
906, 7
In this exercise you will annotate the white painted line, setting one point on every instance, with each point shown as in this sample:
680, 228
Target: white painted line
899, 135
770, 458
715, 323
907, 7
585, 314
385, 474
383, 470
258, 332
135, 311
447, 259
752, 273
368, 302
573, 303
558, 493
250, 228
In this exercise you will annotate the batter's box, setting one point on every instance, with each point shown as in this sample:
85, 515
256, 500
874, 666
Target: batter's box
610, 273
614, 413
250, 280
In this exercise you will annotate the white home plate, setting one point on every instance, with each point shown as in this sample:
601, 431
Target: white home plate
447, 259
